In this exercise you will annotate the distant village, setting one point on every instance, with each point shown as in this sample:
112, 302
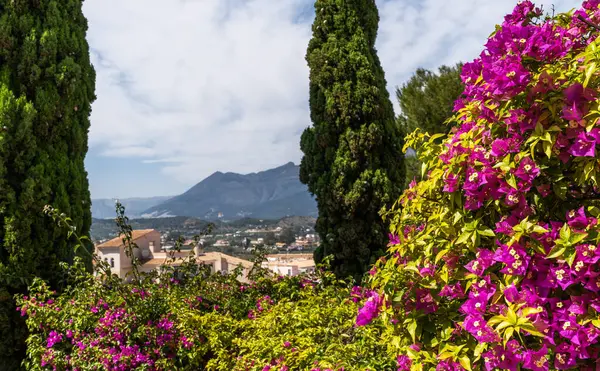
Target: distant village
238, 238
289, 244
154, 254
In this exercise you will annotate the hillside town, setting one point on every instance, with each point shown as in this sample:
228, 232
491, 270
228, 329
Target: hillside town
237, 238
153, 254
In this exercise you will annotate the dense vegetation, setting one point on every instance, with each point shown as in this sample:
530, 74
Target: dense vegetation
494, 255
492, 261
46, 89
190, 319
353, 159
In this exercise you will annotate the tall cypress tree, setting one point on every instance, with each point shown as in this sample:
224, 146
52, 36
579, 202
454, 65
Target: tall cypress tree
353, 160
46, 89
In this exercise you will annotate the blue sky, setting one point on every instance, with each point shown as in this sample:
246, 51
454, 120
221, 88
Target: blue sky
186, 88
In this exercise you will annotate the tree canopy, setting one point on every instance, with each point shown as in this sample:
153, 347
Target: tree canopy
353, 161
46, 90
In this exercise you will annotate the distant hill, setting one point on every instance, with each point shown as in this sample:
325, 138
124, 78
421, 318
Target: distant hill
104, 208
270, 194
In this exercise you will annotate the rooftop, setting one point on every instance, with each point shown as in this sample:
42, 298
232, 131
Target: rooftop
118, 241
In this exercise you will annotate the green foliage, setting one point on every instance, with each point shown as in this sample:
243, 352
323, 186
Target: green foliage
426, 103
190, 319
287, 236
314, 329
502, 232
427, 99
46, 88
353, 159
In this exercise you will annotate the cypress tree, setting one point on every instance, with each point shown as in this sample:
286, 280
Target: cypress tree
353, 161
46, 89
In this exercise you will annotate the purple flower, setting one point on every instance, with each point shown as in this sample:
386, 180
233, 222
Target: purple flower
484, 260
477, 326
527, 170
537, 360
424, 301
404, 363
369, 311
453, 291
451, 183
577, 220
53, 339
583, 146
511, 294
565, 357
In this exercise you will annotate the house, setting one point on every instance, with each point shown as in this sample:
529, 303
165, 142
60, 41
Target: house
152, 256
290, 264
113, 251
221, 243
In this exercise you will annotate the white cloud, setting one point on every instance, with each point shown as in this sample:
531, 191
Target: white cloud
200, 86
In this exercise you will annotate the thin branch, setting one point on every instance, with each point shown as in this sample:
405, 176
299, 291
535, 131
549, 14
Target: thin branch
580, 17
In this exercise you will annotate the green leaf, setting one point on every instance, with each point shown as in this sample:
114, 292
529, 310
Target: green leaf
571, 258
508, 334
496, 319
529, 311
594, 211
503, 325
440, 255
511, 315
547, 146
556, 252
589, 71
464, 237
510, 179
412, 329
486, 232
465, 362
528, 327
565, 232
560, 189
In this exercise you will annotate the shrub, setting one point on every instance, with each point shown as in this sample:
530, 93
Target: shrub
190, 319
493, 258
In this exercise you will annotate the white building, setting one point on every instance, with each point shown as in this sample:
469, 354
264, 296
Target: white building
152, 256
290, 264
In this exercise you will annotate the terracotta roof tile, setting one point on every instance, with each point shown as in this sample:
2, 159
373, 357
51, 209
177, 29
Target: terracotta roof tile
118, 241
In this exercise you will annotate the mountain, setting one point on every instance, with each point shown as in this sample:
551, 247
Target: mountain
104, 208
270, 194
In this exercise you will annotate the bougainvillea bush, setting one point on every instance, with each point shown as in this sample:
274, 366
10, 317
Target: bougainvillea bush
494, 256
208, 321
192, 319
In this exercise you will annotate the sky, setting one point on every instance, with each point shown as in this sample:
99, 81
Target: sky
189, 87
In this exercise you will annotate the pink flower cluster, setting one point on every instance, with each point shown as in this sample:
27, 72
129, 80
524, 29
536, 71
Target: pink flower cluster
517, 103
111, 342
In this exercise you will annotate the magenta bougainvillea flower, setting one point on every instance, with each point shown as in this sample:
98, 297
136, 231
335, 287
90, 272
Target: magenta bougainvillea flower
508, 204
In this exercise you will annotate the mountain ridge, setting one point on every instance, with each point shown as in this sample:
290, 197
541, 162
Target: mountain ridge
270, 194
104, 208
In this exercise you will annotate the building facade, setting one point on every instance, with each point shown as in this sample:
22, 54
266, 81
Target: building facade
152, 256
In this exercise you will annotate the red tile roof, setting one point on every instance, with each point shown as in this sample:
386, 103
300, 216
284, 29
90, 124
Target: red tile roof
118, 241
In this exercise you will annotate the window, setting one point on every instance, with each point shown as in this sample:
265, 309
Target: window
112, 262
151, 245
289, 272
